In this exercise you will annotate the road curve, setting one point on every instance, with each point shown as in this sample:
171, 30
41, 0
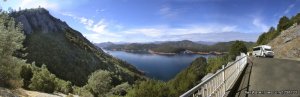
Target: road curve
269, 77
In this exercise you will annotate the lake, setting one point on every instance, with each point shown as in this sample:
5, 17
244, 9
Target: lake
161, 67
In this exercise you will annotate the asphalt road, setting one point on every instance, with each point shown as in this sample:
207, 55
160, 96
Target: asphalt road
269, 77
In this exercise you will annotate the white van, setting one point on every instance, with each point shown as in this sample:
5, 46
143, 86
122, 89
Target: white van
263, 51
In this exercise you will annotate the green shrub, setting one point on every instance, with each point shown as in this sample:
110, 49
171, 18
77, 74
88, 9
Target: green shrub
120, 90
43, 80
99, 83
149, 88
63, 86
82, 91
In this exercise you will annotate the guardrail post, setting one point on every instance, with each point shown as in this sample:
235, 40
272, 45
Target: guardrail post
238, 65
223, 78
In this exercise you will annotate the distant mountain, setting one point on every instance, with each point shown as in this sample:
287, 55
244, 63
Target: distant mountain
104, 44
65, 51
206, 42
176, 46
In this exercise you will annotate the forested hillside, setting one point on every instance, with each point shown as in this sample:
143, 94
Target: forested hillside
64, 51
283, 24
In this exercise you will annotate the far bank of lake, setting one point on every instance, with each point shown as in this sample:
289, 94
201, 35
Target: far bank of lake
161, 67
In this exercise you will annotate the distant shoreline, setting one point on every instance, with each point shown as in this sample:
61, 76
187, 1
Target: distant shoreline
164, 53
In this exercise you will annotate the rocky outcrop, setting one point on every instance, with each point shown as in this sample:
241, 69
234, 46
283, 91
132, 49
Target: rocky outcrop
287, 44
38, 20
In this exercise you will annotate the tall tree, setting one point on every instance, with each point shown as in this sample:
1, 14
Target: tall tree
283, 24
296, 19
11, 38
237, 48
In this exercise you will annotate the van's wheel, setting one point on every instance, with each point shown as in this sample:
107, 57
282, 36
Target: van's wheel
264, 55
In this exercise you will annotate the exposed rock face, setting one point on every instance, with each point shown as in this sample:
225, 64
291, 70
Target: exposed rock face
38, 20
287, 44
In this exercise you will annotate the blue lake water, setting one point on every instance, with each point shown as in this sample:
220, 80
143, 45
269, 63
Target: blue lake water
161, 67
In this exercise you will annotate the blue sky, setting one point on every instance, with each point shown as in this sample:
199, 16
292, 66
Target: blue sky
166, 20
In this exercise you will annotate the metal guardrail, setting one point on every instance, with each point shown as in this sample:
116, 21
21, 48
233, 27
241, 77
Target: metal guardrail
219, 83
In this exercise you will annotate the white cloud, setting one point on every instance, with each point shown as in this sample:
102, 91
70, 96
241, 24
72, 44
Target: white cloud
214, 37
97, 38
166, 11
99, 27
89, 23
289, 9
160, 32
259, 24
229, 28
150, 32
194, 32
166, 33
86, 21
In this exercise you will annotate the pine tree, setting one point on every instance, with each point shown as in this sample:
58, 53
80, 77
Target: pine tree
237, 48
283, 24
11, 38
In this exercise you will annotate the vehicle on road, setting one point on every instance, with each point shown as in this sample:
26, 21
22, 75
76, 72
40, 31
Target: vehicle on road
263, 51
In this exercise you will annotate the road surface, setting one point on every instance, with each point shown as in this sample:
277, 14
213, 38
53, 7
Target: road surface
269, 77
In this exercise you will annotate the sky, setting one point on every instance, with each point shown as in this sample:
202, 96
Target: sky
165, 20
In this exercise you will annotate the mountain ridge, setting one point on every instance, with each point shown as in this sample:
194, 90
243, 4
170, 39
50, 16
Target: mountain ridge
65, 51
173, 46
